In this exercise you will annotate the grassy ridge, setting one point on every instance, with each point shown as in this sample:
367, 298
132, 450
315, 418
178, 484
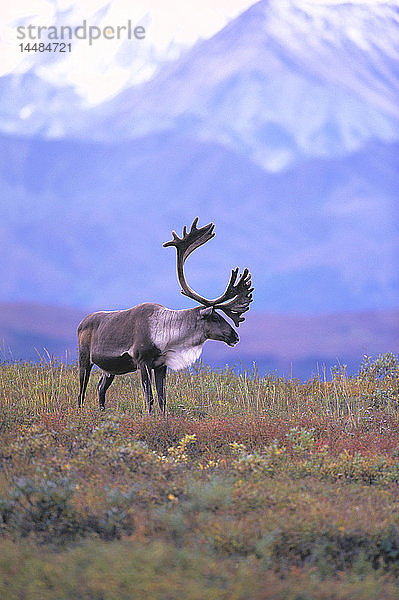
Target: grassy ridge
250, 488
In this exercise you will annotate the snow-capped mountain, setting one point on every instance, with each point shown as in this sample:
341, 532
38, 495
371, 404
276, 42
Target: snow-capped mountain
96, 65
284, 80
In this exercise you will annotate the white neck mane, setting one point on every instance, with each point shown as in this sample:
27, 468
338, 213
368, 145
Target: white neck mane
175, 334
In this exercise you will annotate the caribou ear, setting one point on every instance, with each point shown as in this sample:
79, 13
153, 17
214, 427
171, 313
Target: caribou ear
206, 311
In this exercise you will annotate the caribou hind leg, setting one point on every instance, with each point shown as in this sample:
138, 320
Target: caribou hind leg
102, 386
85, 367
145, 373
160, 376
85, 363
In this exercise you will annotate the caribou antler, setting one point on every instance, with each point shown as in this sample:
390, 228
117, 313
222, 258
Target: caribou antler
237, 296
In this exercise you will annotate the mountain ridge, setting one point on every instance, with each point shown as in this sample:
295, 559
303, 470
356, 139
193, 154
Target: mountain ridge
272, 341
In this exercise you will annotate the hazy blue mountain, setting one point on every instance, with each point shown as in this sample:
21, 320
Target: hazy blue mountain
83, 224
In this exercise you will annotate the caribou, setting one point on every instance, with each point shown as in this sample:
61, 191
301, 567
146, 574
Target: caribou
150, 337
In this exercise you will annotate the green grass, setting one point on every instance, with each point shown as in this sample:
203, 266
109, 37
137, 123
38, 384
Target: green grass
251, 487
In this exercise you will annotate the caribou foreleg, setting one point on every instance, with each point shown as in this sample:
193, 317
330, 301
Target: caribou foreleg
145, 373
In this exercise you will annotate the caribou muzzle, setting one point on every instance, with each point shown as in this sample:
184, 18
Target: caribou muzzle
233, 339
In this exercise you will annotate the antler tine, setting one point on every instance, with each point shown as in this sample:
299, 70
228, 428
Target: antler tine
235, 317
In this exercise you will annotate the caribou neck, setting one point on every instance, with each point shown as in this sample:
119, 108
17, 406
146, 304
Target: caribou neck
177, 327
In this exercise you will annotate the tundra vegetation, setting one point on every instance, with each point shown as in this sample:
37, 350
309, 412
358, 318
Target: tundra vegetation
250, 488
